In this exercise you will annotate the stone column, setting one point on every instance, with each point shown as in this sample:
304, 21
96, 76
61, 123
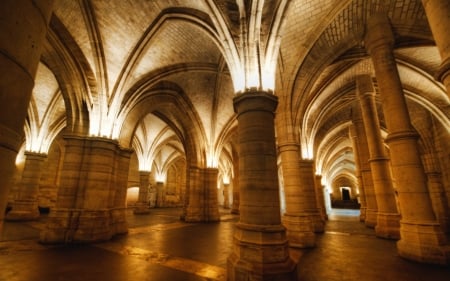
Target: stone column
388, 218
92, 188
362, 193
226, 195
160, 192
119, 210
438, 198
203, 203
211, 176
235, 206
422, 238
22, 32
320, 197
307, 180
366, 172
438, 12
298, 198
142, 206
25, 207
260, 248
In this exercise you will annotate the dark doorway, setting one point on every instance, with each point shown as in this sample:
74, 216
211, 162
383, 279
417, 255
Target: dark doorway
345, 194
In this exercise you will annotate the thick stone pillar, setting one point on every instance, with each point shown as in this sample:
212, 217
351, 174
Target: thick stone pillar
142, 206
90, 204
226, 195
23, 27
160, 194
235, 204
203, 203
260, 247
119, 209
320, 197
25, 207
438, 12
422, 238
299, 199
307, 180
366, 172
362, 192
388, 218
439, 200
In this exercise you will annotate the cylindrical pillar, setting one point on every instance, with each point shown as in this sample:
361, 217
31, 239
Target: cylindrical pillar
160, 194
388, 218
366, 172
226, 195
260, 248
142, 206
235, 204
22, 32
25, 207
203, 202
119, 210
440, 205
320, 197
211, 203
438, 12
298, 198
422, 238
362, 191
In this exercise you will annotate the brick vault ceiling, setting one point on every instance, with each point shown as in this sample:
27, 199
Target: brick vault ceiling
127, 48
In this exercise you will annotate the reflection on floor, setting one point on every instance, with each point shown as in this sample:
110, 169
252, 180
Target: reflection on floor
161, 247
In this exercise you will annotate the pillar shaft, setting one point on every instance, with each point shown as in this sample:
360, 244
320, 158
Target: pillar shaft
142, 206
362, 191
25, 207
91, 198
299, 198
366, 172
226, 195
203, 203
160, 194
320, 197
437, 12
235, 204
421, 236
260, 250
388, 218
22, 33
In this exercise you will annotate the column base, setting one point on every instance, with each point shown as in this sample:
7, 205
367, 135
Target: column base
371, 218
318, 222
23, 210
362, 214
423, 242
388, 226
60, 226
80, 226
202, 215
260, 252
299, 231
119, 223
141, 209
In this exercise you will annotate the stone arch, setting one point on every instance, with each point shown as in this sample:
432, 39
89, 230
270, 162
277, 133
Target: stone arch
167, 101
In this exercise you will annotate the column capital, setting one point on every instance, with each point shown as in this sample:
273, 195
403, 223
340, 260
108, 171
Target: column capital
364, 85
288, 146
35, 155
378, 32
255, 101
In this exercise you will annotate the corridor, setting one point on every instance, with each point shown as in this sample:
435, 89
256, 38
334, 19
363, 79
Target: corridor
161, 247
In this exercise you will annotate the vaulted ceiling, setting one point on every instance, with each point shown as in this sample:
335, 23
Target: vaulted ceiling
160, 76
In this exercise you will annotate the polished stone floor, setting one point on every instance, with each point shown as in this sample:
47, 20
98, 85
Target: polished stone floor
161, 247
